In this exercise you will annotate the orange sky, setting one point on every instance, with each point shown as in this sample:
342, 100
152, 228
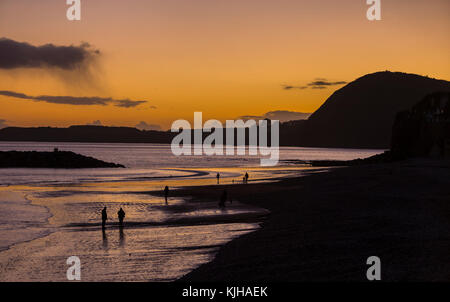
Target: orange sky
226, 58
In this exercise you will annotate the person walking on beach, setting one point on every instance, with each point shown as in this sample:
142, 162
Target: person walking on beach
121, 215
166, 193
223, 199
246, 177
218, 177
104, 217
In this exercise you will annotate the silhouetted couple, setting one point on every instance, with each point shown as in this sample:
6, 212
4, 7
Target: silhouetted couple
120, 214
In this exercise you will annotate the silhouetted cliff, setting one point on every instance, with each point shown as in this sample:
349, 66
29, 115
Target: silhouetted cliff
424, 130
361, 114
421, 131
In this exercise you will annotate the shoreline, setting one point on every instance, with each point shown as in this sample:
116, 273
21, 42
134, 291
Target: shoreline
321, 226
21, 200
397, 211
193, 238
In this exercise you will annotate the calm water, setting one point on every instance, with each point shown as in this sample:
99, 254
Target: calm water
148, 161
48, 215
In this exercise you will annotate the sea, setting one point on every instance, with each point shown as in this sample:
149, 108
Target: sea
49, 215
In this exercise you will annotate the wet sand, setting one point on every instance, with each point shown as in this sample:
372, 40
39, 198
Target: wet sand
323, 227
43, 226
118, 254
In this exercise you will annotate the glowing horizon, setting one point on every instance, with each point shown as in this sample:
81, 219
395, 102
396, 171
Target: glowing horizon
224, 58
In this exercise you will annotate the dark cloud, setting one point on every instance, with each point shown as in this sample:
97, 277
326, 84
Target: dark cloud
129, 103
289, 87
15, 54
72, 100
281, 115
324, 83
318, 83
145, 126
3, 124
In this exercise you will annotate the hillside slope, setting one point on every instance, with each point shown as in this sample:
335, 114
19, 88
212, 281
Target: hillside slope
362, 113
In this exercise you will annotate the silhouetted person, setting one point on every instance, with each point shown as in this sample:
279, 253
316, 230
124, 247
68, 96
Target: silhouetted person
104, 217
246, 177
223, 199
218, 177
166, 192
121, 215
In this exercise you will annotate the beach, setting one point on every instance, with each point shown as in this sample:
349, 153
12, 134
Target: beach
291, 223
49, 215
324, 226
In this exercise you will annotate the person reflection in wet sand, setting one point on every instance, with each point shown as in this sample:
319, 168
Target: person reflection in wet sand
166, 193
223, 199
105, 240
121, 237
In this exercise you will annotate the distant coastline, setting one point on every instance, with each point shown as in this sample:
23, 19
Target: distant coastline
360, 115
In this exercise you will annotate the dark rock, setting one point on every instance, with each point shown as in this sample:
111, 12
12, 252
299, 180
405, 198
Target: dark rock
424, 130
55, 159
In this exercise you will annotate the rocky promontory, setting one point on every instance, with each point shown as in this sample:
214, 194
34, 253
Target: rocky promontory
56, 159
